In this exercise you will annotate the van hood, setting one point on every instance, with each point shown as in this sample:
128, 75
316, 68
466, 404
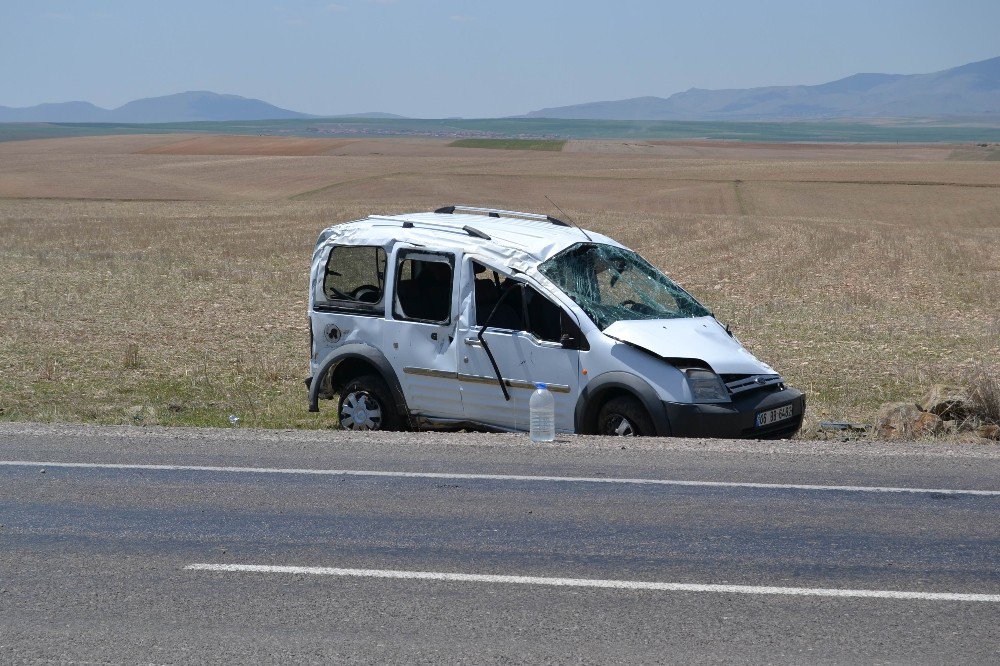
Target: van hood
702, 338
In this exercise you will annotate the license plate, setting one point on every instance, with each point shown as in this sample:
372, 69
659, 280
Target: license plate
774, 415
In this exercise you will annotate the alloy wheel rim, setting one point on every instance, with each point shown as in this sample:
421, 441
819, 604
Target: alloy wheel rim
360, 411
620, 426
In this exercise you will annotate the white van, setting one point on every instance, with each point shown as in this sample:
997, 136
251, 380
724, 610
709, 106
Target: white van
448, 319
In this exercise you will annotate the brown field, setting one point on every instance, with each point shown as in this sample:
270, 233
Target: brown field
145, 281
715, 149
289, 146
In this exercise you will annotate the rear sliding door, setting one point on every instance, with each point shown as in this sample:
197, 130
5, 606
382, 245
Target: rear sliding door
420, 331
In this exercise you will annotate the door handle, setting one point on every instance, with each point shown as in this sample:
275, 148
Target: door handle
472, 342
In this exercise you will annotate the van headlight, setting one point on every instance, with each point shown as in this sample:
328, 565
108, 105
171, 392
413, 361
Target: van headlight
706, 386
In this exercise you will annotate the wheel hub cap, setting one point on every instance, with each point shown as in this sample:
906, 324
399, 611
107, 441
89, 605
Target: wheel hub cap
360, 411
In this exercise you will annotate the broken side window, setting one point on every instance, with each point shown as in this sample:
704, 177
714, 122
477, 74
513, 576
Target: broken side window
423, 286
542, 315
490, 287
355, 277
523, 308
612, 283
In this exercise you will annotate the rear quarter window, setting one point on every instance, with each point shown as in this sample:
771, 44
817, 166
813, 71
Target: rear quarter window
354, 278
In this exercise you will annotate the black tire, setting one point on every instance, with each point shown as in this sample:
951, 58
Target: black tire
367, 396
624, 416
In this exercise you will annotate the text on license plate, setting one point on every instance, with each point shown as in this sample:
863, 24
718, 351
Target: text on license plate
774, 415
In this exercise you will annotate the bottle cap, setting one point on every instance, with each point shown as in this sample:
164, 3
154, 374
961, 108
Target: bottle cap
540, 385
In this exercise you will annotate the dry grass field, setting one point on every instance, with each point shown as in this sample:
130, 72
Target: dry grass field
246, 145
161, 279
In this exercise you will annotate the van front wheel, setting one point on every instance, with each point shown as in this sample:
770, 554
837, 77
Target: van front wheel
366, 404
624, 416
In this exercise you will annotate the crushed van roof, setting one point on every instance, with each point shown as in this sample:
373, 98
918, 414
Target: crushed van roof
539, 239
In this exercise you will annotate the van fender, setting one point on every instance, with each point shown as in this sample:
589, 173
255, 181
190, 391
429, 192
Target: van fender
617, 381
364, 352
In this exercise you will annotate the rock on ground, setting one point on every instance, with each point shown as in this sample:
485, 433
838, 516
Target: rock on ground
948, 402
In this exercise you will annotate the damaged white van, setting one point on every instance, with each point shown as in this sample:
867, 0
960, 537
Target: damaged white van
448, 320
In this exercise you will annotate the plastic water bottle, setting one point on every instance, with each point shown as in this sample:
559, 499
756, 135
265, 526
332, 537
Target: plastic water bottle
542, 415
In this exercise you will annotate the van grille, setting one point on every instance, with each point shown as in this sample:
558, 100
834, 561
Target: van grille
743, 383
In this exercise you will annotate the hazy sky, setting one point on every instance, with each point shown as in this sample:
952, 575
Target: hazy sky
466, 57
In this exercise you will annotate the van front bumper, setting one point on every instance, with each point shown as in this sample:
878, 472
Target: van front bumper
737, 419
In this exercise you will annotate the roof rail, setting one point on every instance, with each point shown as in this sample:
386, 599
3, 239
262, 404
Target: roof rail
472, 231
407, 224
497, 212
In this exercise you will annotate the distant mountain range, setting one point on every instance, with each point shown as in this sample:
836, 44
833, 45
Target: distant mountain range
182, 107
967, 91
373, 115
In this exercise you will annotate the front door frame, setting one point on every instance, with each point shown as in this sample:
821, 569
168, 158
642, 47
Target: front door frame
522, 358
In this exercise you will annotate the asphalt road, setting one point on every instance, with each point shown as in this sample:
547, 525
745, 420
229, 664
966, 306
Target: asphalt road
137, 552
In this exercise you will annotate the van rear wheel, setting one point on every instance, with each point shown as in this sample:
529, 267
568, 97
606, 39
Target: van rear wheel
624, 416
366, 404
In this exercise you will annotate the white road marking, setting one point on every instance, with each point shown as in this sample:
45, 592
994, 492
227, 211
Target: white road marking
590, 582
494, 477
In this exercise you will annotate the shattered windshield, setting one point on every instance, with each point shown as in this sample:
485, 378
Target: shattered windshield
612, 283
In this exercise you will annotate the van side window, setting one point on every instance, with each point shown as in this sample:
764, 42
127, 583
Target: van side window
490, 286
423, 287
543, 316
521, 309
355, 276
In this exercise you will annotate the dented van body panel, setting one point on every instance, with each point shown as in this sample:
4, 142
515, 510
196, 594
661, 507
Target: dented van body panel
458, 313
703, 338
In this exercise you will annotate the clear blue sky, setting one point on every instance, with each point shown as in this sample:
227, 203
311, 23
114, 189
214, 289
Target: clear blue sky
467, 58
